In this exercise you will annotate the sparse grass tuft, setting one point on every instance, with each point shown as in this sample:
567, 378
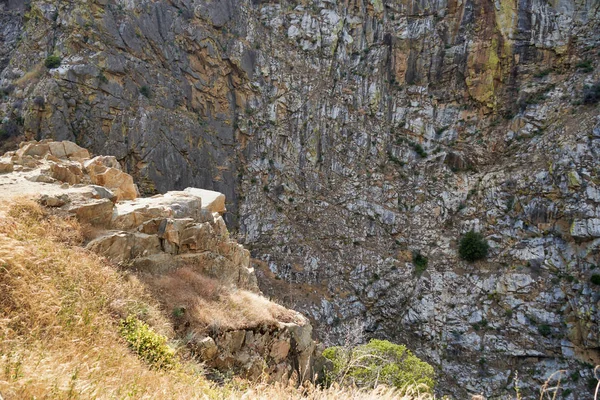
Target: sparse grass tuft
30, 77
210, 306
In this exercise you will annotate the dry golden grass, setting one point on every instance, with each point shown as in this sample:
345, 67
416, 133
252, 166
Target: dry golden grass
210, 306
265, 391
59, 313
60, 307
31, 77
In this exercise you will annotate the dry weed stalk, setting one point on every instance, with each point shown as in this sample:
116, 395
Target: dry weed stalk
546, 389
597, 376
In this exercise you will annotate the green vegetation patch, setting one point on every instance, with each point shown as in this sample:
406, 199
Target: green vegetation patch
420, 262
419, 149
591, 94
149, 345
52, 62
473, 247
145, 91
585, 66
378, 362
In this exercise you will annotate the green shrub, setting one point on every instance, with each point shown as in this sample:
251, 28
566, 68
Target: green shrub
544, 330
591, 94
102, 78
420, 262
419, 150
52, 62
8, 129
473, 247
585, 66
145, 91
395, 159
542, 73
149, 345
377, 362
595, 279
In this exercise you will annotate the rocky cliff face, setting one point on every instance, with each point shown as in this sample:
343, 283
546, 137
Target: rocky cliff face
349, 135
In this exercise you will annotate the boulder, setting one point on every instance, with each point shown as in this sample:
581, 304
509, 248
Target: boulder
106, 171
198, 237
211, 201
66, 149
280, 350
234, 252
54, 201
132, 214
32, 149
6, 166
95, 212
40, 177
304, 346
69, 173
122, 246
150, 227
206, 348
170, 230
26, 161
100, 192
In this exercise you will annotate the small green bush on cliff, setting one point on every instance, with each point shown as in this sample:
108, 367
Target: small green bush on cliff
149, 345
420, 262
145, 91
473, 247
378, 362
52, 62
591, 94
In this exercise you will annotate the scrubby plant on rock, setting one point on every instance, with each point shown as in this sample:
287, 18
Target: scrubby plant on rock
378, 362
149, 345
473, 247
591, 94
420, 262
52, 62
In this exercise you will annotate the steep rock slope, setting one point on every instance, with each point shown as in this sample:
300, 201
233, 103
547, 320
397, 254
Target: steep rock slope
348, 136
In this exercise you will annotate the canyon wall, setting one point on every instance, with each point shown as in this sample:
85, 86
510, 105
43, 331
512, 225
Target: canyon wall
348, 136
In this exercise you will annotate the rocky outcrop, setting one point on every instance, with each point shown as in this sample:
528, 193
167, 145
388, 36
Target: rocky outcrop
158, 236
346, 136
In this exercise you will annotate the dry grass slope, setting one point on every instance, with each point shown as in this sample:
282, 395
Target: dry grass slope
60, 308
212, 307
